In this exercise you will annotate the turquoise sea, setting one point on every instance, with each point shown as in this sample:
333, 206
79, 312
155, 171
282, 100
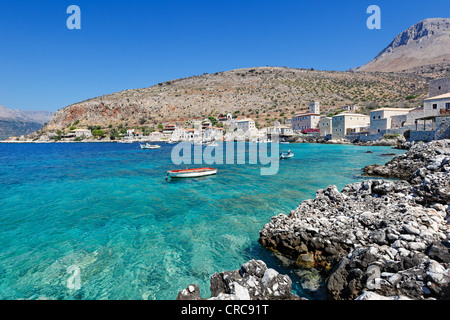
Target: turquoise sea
106, 210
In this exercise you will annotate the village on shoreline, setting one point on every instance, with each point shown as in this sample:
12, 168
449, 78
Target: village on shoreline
383, 126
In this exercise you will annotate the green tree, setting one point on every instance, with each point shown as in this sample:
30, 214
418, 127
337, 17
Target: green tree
98, 133
213, 120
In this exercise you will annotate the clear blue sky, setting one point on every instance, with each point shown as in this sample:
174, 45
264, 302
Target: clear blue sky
135, 43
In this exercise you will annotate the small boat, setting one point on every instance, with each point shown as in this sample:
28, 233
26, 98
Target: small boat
213, 144
150, 146
191, 173
286, 155
125, 141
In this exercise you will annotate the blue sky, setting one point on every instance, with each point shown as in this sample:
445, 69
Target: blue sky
132, 44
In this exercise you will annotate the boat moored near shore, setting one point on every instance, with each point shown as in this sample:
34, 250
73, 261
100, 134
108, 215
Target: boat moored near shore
191, 173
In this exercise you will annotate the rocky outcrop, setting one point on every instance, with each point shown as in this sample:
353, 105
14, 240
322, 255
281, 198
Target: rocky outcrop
383, 142
390, 238
373, 240
253, 281
426, 166
395, 142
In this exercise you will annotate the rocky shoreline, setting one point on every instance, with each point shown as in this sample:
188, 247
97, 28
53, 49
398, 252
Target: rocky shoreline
377, 239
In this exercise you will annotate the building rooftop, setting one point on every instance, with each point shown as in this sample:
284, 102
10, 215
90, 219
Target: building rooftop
244, 119
393, 109
351, 114
442, 96
305, 114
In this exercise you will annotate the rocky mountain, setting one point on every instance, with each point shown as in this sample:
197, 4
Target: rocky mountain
423, 49
19, 122
263, 93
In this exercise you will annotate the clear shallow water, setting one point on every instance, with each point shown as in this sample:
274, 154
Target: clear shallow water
107, 209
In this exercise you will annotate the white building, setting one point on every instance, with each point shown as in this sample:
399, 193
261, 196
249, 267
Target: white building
82, 132
246, 124
304, 121
350, 108
387, 118
307, 120
347, 124
280, 130
314, 107
169, 128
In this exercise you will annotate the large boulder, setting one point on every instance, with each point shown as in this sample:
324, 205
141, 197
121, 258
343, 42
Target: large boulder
253, 281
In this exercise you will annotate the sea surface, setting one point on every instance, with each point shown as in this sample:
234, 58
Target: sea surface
100, 221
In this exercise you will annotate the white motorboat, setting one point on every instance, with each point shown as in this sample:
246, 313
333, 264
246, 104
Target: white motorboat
191, 173
150, 146
286, 155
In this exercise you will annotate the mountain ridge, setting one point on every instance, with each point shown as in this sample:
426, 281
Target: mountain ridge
20, 122
423, 48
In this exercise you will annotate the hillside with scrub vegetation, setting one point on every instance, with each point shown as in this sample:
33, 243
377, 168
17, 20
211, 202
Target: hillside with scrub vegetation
265, 94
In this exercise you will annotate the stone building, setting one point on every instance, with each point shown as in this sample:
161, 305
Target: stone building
349, 124
307, 120
382, 119
325, 126
439, 86
437, 105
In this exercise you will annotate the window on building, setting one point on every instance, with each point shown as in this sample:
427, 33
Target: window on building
434, 105
447, 106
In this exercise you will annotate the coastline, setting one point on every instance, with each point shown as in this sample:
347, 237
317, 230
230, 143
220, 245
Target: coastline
382, 143
374, 240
